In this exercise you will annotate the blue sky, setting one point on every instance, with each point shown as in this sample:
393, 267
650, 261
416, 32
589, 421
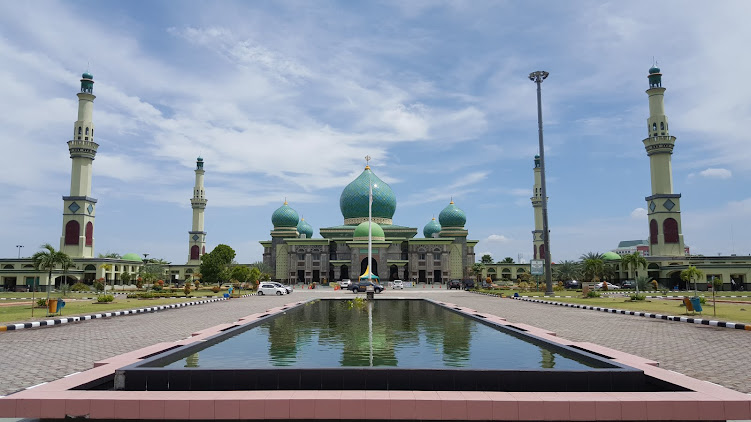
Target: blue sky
285, 98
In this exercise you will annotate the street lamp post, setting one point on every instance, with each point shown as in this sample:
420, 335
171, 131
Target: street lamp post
19, 250
537, 77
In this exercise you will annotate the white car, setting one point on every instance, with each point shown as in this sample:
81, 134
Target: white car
598, 286
397, 284
270, 289
287, 289
345, 283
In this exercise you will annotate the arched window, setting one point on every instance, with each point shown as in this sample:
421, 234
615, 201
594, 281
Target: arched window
653, 232
89, 233
662, 125
79, 130
654, 128
194, 251
87, 131
542, 251
72, 231
670, 230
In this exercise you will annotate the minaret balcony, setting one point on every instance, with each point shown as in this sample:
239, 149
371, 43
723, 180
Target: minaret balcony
198, 202
659, 144
80, 148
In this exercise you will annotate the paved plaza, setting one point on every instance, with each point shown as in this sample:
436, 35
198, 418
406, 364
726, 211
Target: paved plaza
717, 355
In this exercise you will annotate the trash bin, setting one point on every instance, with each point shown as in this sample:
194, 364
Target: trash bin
516, 294
52, 306
696, 303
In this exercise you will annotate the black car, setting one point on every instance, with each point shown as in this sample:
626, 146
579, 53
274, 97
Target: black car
571, 284
628, 284
455, 284
469, 284
363, 286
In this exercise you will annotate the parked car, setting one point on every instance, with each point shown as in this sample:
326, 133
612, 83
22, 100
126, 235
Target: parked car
267, 288
363, 286
628, 284
287, 288
572, 284
455, 284
397, 284
611, 286
345, 283
469, 284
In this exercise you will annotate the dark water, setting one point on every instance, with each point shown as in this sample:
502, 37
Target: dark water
396, 333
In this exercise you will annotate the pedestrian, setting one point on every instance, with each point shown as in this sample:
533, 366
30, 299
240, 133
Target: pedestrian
732, 284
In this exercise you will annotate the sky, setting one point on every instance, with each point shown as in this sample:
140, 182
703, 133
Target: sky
284, 99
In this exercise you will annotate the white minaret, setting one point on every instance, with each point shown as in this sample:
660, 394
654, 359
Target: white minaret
197, 237
537, 240
664, 206
78, 208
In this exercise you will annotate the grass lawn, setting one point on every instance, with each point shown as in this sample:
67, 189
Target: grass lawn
731, 312
22, 313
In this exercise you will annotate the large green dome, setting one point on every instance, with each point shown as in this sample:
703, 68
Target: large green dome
431, 228
132, 257
285, 216
304, 228
452, 216
611, 256
361, 232
354, 199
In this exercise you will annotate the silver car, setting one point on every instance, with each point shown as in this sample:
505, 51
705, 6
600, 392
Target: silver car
288, 289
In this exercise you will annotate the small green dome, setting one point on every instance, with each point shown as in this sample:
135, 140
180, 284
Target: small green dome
285, 216
354, 199
654, 69
304, 228
361, 232
611, 256
87, 75
452, 216
199, 159
132, 257
431, 228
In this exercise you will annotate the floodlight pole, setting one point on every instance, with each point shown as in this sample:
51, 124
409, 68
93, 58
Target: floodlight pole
537, 77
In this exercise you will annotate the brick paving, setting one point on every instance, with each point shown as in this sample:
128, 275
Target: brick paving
713, 354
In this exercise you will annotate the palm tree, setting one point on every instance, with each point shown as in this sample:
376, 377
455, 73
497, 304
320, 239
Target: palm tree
593, 268
635, 260
590, 255
692, 273
507, 260
48, 259
476, 269
567, 270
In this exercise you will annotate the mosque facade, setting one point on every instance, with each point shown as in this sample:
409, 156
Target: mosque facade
443, 253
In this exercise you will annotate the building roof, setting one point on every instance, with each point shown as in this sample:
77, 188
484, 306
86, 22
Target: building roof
354, 199
631, 243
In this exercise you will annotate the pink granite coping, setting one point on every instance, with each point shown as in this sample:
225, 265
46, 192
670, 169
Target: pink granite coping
57, 399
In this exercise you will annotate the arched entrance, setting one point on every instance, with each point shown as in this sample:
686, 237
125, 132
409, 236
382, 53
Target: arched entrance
89, 274
70, 280
393, 272
675, 280
373, 267
344, 271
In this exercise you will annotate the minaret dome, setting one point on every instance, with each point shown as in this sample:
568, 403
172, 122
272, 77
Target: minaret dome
87, 83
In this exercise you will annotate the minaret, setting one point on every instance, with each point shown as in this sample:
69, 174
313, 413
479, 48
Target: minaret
197, 237
77, 240
664, 206
537, 240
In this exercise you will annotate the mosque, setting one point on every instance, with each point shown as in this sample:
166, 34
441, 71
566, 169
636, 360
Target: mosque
443, 253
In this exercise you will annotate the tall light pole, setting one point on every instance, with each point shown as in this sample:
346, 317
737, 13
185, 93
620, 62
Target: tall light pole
19, 250
537, 77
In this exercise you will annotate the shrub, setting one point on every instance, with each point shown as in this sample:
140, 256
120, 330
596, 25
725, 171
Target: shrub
186, 289
637, 296
80, 287
604, 285
215, 289
524, 286
139, 283
42, 302
197, 284
558, 287
593, 293
105, 298
98, 286
654, 284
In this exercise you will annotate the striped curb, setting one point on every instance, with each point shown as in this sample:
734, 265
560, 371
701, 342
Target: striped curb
60, 321
700, 321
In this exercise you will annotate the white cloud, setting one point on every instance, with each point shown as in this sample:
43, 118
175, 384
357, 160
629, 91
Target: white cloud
639, 214
716, 173
498, 238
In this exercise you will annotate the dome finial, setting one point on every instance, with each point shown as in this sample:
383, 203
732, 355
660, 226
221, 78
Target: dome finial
285, 201
452, 200
367, 162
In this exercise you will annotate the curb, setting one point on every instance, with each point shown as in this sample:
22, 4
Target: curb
700, 321
60, 321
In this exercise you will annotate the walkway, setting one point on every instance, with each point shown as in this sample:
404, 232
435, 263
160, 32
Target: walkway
35, 356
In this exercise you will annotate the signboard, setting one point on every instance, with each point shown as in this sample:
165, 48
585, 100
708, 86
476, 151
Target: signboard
537, 267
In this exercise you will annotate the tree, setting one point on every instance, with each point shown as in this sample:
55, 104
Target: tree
634, 260
152, 270
507, 260
593, 268
567, 270
477, 269
590, 255
692, 273
110, 255
262, 267
215, 264
48, 259
486, 259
